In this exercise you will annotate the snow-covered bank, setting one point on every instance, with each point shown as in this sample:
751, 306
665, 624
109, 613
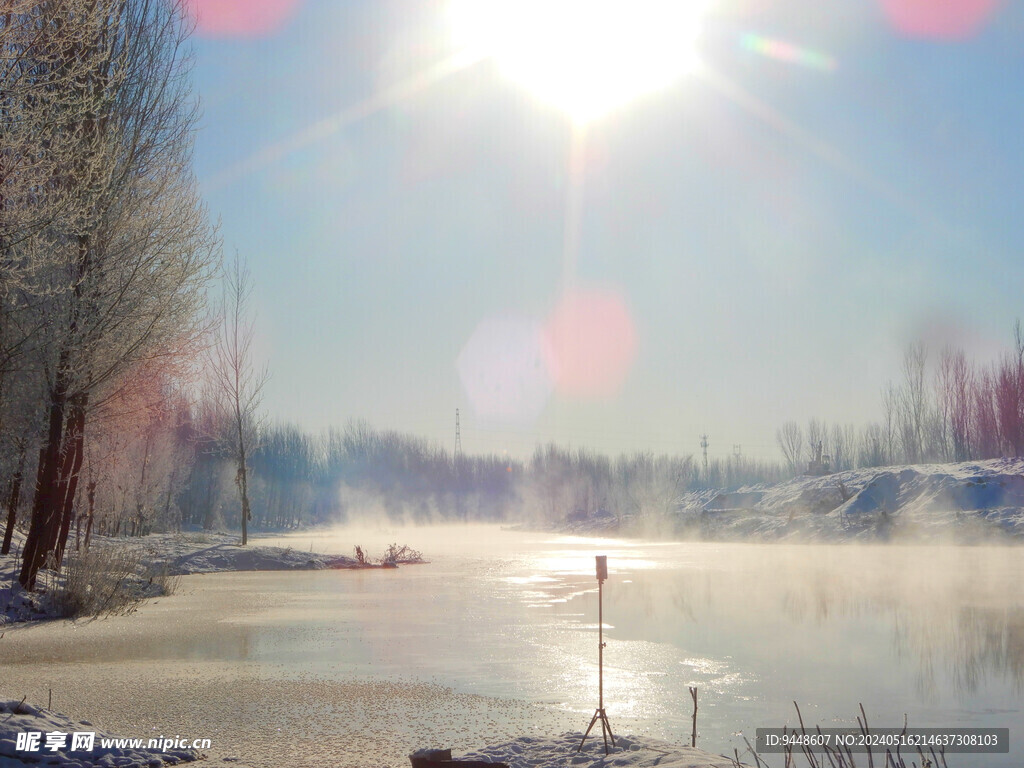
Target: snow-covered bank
186, 554
27, 734
161, 556
966, 502
50, 738
630, 751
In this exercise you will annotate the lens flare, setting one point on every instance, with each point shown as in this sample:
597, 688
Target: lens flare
587, 57
939, 19
503, 369
240, 18
591, 343
783, 51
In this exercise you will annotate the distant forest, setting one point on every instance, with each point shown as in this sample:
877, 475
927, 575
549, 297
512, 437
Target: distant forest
165, 462
941, 410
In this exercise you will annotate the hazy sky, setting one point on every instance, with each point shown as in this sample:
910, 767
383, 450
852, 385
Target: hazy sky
754, 242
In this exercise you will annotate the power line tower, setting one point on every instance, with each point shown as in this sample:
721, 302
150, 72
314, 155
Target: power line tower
737, 451
458, 435
704, 446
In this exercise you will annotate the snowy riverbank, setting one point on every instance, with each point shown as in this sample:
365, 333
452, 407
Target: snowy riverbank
968, 502
629, 751
161, 556
34, 736
37, 736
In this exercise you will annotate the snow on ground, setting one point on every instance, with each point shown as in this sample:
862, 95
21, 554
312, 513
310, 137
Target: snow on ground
523, 752
171, 554
634, 752
185, 554
18, 719
965, 502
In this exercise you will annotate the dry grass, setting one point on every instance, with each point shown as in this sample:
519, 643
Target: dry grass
102, 581
163, 581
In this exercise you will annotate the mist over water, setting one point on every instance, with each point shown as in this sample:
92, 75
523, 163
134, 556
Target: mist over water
497, 636
936, 633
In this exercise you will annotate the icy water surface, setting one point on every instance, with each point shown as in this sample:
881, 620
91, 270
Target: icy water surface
498, 636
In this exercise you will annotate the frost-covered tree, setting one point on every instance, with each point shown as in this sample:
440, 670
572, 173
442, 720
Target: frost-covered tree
129, 257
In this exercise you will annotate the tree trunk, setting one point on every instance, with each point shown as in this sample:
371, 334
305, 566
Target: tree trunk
76, 453
90, 494
45, 506
243, 488
14, 498
242, 479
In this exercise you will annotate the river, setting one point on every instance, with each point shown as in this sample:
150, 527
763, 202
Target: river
497, 636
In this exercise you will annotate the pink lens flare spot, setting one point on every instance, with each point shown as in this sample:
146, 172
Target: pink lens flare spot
240, 18
591, 343
503, 369
939, 19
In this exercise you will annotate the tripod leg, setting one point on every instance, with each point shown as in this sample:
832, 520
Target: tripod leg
608, 725
592, 721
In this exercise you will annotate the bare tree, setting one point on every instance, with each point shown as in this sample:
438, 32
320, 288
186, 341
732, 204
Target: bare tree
983, 416
955, 382
890, 402
791, 443
872, 450
844, 438
817, 433
1009, 396
913, 403
237, 385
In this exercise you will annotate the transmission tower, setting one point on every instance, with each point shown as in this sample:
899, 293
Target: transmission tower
737, 451
704, 446
458, 434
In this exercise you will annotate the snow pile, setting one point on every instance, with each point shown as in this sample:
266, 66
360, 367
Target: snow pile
964, 503
632, 751
969, 501
21, 719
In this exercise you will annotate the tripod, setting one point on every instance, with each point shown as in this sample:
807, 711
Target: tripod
599, 713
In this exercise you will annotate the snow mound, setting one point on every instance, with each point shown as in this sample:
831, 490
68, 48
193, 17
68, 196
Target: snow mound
632, 751
15, 719
963, 502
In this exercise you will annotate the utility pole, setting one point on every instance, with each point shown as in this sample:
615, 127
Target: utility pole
737, 451
704, 445
458, 435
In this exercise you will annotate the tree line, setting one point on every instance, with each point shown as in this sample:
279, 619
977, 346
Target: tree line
944, 408
105, 253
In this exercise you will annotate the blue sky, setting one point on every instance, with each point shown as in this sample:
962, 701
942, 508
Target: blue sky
775, 233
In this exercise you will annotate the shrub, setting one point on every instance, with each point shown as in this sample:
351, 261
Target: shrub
164, 582
401, 554
102, 581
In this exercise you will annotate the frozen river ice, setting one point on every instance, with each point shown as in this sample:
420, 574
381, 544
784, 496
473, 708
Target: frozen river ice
496, 637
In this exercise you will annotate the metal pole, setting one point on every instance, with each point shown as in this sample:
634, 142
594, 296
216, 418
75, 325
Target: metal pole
600, 644
599, 714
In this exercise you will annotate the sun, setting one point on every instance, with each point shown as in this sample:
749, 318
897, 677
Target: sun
587, 57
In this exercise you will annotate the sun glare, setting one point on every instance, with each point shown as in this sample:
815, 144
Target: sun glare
586, 57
